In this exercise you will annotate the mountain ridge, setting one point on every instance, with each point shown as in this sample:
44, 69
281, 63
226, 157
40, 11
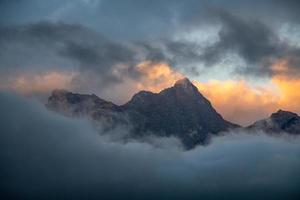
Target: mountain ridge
180, 111
280, 121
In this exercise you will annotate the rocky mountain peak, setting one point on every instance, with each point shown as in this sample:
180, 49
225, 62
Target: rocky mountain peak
184, 82
282, 115
280, 121
185, 85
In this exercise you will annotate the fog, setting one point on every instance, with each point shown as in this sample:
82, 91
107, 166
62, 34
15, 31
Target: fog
47, 156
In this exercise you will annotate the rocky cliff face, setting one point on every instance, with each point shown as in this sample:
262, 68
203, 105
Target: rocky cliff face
279, 122
180, 111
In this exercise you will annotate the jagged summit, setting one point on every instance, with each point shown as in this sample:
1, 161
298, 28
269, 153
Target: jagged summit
183, 82
283, 115
186, 86
183, 91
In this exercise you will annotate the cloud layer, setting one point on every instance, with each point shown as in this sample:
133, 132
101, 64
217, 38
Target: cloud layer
48, 156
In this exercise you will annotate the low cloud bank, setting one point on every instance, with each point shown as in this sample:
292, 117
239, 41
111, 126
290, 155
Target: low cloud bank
47, 156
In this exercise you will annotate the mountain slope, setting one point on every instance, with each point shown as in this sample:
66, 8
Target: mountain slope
180, 111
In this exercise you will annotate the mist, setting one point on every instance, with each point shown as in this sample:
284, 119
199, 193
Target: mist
45, 155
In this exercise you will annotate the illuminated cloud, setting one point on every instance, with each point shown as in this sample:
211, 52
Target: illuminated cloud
238, 101
30, 83
242, 103
152, 76
156, 76
289, 92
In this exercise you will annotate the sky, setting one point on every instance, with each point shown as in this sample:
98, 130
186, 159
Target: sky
244, 56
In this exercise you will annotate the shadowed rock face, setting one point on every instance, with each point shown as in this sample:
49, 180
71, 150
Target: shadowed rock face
179, 111
281, 121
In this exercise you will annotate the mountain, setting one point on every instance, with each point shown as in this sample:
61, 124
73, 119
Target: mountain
180, 111
281, 121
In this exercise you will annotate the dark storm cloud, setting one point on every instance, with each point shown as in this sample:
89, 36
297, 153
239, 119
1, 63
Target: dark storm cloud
175, 52
47, 156
255, 42
59, 45
127, 19
140, 19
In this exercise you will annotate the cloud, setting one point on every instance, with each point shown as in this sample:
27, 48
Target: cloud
77, 58
29, 84
255, 42
238, 101
156, 76
288, 90
150, 76
48, 156
243, 103
60, 46
80, 59
140, 19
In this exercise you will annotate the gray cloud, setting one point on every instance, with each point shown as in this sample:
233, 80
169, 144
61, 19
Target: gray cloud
59, 46
255, 42
132, 19
48, 156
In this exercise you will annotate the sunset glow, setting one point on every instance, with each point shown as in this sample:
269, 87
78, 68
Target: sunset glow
29, 83
156, 76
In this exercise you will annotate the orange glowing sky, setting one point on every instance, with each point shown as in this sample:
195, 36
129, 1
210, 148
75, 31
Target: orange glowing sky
237, 100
